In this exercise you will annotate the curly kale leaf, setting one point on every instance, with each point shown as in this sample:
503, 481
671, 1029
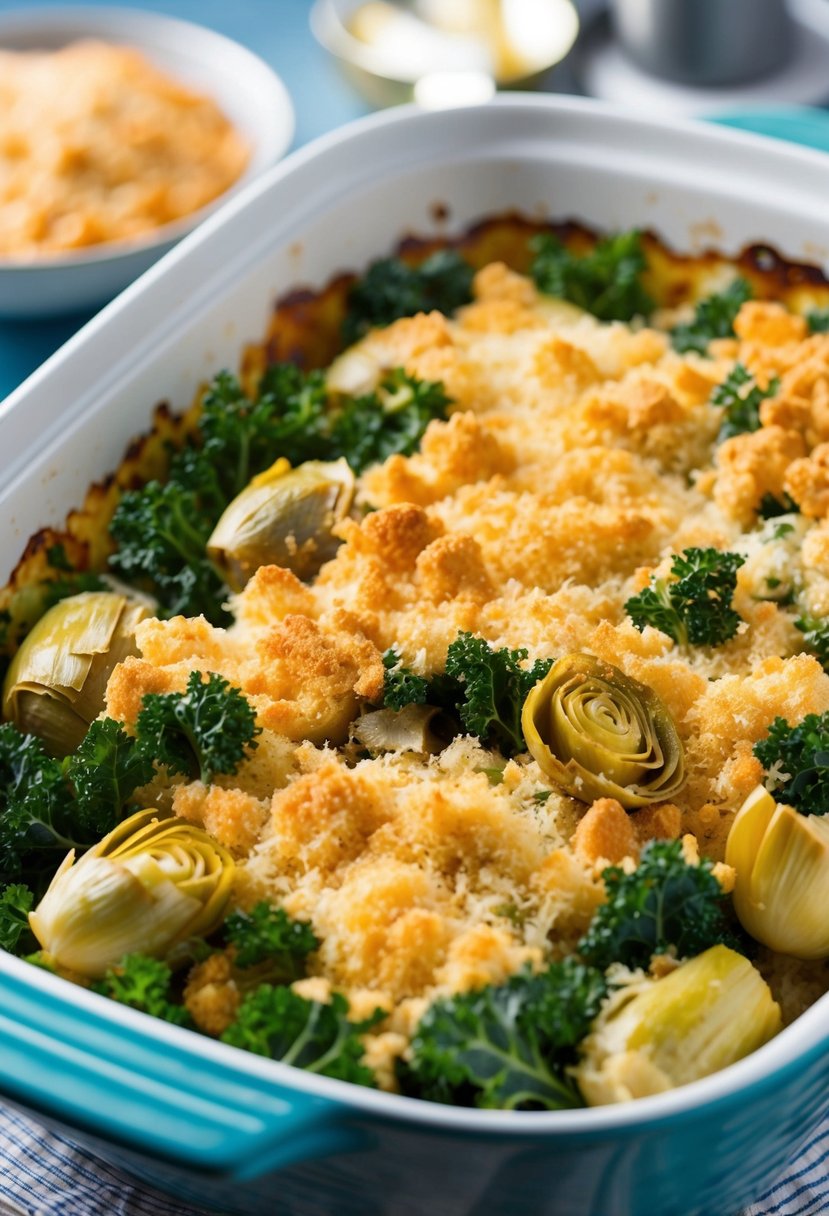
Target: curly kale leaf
714, 318
818, 320
401, 687
484, 689
144, 983
161, 532
367, 430
693, 605
815, 630
740, 398
492, 689
268, 937
209, 728
607, 281
507, 1046
796, 759
36, 826
664, 904
280, 1024
51, 806
391, 288
105, 771
16, 902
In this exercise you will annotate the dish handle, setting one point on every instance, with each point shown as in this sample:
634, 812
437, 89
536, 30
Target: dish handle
123, 1077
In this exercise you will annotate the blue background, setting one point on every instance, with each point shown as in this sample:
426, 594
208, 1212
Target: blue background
278, 31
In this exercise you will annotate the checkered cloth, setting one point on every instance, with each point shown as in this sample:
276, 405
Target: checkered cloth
43, 1175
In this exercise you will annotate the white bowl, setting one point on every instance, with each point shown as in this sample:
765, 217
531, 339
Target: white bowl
247, 91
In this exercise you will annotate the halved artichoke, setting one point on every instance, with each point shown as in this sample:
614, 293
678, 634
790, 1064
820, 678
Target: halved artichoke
150, 884
781, 860
658, 1034
285, 517
598, 733
57, 681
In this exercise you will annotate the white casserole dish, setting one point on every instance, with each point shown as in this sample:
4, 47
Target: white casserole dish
704, 1150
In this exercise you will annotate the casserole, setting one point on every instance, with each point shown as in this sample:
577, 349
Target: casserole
147, 1089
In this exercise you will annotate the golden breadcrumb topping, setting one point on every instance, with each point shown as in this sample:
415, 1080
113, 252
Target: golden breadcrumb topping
577, 459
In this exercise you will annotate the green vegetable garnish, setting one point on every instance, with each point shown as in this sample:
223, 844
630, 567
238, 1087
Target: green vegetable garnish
280, 1024
391, 289
267, 935
692, 605
818, 320
16, 902
815, 630
208, 729
796, 759
507, 1046
484, 689
740, 397
606, 281
714, 318
143, 983
664, 904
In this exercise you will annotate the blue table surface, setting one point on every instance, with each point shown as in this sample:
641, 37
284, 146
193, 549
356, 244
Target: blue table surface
279, 32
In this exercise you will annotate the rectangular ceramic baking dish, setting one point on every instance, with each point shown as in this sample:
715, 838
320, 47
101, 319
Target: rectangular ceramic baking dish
246, 1135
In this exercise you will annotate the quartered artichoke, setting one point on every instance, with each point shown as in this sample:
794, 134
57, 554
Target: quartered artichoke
285, 517
149, 885
57, 681
658, 1034
781, 860
598, 733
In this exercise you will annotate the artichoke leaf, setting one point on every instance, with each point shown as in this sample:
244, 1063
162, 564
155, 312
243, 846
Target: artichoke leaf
781, 862
657, 1034
597, 732
150, 884
56, 683
285, 517
415, 728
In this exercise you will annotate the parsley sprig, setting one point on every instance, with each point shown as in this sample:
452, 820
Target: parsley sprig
693, 604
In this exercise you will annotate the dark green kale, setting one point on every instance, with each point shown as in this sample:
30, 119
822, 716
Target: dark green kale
280, 1024
144, 983
818, 320
493, 687
607, 281
104, 772
51, 806
38, 823
268, 937
484, 689
16, 902
770, 507
815, 630
740, 398
161, 532
401, 687
391, 289
507, 1046
665, 904
209, 728
714, 318
693, 605
367, 430
796, 759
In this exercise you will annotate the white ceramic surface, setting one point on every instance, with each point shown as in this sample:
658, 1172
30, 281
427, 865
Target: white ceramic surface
246, 89
336, 205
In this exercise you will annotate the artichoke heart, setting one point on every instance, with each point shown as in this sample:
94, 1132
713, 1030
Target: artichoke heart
658, 1034
781, 891
57, 681
285, 517
149, 885
415, 728
598, 733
